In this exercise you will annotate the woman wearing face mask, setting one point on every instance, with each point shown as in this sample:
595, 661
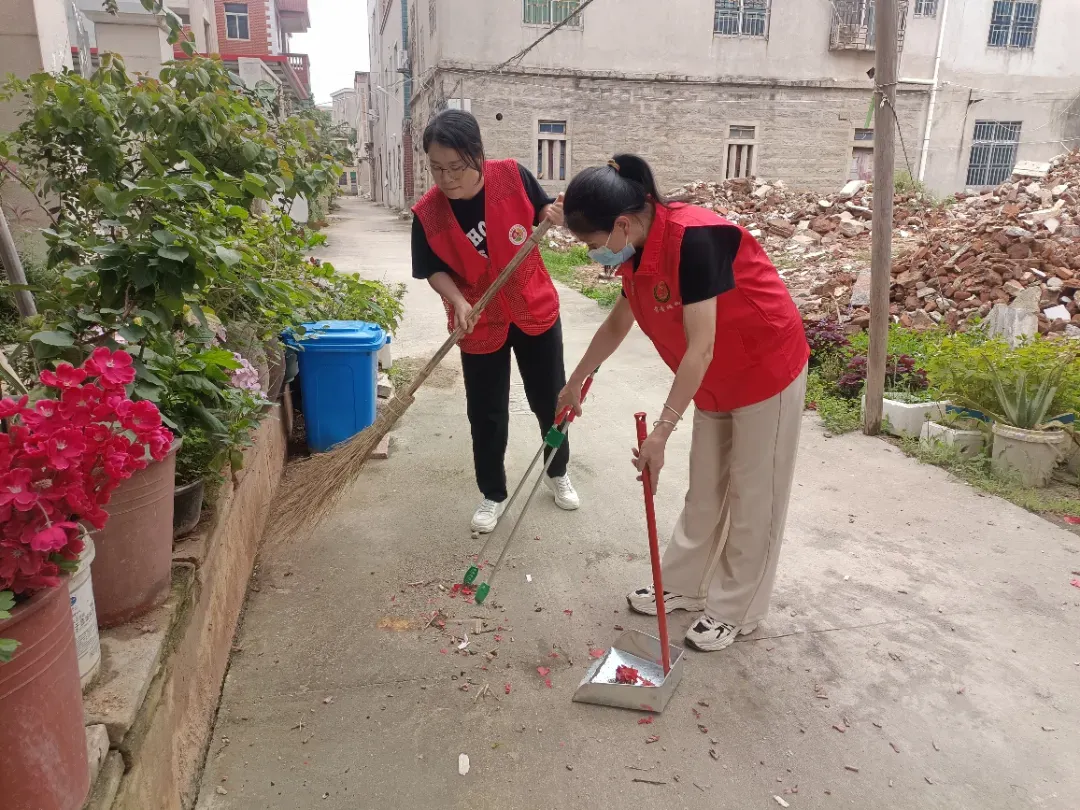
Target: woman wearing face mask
705, 293
467, 229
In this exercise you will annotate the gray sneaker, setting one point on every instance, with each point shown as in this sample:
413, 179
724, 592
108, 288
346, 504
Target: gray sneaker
486, 517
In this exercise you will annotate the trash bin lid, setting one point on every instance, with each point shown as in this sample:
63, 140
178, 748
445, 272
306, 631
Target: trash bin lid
340, 334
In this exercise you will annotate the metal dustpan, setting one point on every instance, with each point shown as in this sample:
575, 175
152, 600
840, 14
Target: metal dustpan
659, 665
641, 652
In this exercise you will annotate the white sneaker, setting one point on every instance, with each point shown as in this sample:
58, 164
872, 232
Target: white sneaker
486, 517
643, 600
565, 495
709, 635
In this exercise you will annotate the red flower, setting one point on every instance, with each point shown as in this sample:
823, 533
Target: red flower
10, 407
64, 448
16, 489
54, 537
139, 416
160, 442
114, 368
79, 404
65, 376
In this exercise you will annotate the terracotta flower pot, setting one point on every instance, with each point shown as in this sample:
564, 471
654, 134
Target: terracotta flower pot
133, 567
43, 764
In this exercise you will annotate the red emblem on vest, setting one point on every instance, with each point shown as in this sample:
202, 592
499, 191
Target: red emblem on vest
662, 292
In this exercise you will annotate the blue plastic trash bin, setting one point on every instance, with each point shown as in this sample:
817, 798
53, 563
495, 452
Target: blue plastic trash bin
339, 375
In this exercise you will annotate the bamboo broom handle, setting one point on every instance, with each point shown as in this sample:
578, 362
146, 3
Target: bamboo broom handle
523, 252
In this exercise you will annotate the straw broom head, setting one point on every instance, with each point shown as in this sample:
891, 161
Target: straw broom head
318, 483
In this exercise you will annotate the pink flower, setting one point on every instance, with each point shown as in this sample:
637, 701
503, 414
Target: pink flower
160, 442
10, 407
16, 489
65, 376
54, 537
115, 368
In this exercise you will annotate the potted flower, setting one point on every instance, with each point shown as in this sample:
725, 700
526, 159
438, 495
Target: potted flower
62, 457
907, 403
1026, 443
194, 463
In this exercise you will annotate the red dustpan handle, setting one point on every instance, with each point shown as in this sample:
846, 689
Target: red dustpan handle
654, 549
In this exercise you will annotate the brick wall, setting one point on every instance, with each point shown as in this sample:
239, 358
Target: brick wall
804, 134
258, 42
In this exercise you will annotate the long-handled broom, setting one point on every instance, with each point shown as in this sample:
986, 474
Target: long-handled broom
321, 480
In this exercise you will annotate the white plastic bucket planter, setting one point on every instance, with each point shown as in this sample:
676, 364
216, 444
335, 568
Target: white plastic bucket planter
906, 419
87, 642
1031, 455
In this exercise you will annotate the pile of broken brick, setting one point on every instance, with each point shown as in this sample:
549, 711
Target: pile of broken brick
952, 261
988, 248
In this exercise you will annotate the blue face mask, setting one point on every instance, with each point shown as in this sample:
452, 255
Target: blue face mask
609, 258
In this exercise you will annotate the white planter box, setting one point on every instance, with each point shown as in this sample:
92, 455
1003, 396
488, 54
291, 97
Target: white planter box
906, 419
968, 442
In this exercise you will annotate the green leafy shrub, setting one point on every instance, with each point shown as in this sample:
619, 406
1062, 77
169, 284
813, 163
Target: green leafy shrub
195, 458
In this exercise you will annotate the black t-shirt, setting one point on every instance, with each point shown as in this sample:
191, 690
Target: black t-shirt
470, 216
706, 262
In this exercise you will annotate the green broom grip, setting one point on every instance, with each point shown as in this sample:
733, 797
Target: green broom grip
482, 593
471, 575
554, 438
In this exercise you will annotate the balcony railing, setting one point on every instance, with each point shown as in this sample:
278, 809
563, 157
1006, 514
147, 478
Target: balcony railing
301, 66
853, 27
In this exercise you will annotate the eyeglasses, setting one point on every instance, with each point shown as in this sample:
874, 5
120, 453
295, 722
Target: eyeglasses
449, 172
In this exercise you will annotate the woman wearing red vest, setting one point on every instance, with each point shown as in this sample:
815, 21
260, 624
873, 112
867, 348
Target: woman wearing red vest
467, 229
705, 293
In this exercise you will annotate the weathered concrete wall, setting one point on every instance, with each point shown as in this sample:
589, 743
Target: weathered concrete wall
804, 134
388, 100
178, 713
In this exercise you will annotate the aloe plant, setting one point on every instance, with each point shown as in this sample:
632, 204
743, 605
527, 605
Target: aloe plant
1019, 408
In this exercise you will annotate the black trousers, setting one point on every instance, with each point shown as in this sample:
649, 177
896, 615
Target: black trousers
487, 393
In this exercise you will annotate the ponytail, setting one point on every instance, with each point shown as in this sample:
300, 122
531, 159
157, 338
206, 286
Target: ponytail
598, 196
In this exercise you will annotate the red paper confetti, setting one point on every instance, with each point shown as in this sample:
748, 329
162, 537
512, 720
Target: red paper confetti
547, 682
645, 721
647, 682
597, 653
498, 637
697, 714
1072, 519
543, 671
624, 674
1075, 583
508, 689
553, 655
568, 612
443, 651
652, 739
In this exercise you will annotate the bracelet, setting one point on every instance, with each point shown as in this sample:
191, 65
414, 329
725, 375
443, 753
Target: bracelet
678, 416
674, 426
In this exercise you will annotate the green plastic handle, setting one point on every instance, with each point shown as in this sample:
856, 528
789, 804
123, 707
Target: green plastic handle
471, 575
482, 593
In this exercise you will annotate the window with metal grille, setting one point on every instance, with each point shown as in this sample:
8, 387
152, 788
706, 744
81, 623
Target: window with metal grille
551, 150
864, 134
741, 151
926, 8
741, 18
993, 152
1013, 24
236, 21
552, 12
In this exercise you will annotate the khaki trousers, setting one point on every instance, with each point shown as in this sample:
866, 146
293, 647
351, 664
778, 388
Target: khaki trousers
727, 541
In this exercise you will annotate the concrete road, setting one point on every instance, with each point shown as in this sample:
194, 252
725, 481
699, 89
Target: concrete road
923, 650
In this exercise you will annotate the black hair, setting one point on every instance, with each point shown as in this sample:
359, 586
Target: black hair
460, 131
598, 196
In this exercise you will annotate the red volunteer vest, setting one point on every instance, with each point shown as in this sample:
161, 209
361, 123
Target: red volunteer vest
760, 342
529, 299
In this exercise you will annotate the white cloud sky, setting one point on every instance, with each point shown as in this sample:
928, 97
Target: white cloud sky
336, 44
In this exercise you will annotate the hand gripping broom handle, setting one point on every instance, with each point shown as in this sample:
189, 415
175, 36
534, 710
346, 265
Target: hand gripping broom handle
654, 549
523, 253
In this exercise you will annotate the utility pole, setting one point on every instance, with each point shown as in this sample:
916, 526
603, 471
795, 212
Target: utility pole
885, 123
9, 258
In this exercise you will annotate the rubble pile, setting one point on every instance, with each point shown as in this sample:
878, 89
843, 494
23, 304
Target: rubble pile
1018, 244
